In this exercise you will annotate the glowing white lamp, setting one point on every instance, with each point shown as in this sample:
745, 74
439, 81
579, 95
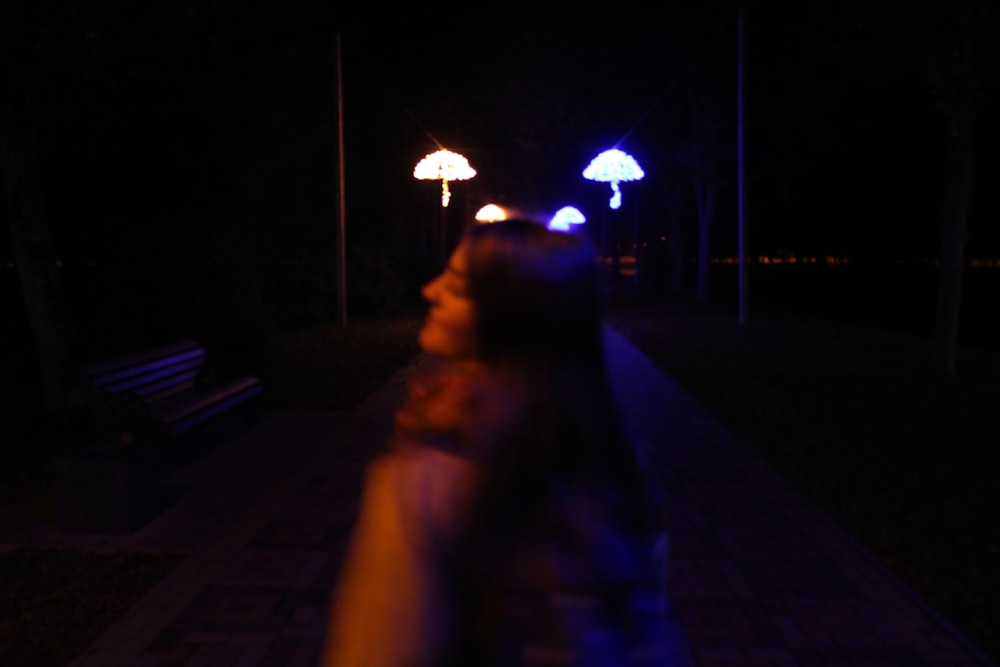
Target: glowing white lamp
565, 217
491, 213
444, 166
614, 166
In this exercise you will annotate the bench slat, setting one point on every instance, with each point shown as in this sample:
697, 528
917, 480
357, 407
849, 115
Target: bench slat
158, 373
208, 404
108, 371
169, 389
155, 391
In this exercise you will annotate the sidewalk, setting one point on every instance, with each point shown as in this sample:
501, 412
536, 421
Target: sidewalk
758, 576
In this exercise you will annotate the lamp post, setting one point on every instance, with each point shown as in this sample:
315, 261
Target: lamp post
613, 166
341, 205
741, 198
443, 165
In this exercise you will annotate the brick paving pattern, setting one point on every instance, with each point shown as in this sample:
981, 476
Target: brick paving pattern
757, 577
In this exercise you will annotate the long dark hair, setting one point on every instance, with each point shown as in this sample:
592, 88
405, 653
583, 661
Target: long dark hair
537, 294
540, 313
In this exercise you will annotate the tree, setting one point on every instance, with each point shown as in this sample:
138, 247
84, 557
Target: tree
673, 194
36, 262
21, 151
944, 51
953, 80
702, 156
119, 121
700, 144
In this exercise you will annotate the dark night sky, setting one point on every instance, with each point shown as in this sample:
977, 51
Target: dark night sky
843, 144
224, 116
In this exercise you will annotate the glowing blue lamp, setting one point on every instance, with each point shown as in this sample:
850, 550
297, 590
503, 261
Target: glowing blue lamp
565, 217
614, 166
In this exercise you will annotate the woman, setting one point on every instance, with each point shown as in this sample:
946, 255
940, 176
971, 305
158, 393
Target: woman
510, 521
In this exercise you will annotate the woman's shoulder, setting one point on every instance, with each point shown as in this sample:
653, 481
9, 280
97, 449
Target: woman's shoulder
455, 407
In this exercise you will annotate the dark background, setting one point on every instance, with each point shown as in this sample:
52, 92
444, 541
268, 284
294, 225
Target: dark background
188, 150
187, 171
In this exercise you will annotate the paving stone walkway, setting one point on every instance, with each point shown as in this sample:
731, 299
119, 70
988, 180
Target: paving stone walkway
757, 575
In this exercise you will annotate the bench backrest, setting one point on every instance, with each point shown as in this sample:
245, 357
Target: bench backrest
146, 372
162, 392
123, 386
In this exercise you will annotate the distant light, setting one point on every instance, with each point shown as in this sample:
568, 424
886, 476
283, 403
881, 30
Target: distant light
614, 166
565, 218
491, 213
444, 166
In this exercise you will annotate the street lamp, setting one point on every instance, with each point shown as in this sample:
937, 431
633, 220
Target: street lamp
444, 166
491, 213
565, 217
614, 166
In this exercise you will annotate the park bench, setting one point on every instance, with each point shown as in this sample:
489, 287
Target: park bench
142, 403
162, 393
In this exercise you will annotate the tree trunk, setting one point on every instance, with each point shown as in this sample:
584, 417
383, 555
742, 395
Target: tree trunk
705, 199
673, 194
676, 255
36, 267
953, 225
676, 249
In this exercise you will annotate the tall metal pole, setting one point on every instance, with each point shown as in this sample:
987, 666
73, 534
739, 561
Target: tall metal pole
341, 204
741, 208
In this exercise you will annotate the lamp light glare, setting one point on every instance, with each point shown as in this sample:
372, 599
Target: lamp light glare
444, 165
491, 213
566, 216
614, 166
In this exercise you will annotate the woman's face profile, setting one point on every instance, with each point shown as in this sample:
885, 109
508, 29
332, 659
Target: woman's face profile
449, 329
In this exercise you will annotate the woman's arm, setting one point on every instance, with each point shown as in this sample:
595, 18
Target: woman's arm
391, 606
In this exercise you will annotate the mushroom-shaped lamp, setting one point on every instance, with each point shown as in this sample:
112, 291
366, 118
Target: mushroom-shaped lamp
614, 166
491, 213
566, 216
444, 165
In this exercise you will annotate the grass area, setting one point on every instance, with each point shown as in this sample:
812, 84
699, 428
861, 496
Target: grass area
847, 414
56, 602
